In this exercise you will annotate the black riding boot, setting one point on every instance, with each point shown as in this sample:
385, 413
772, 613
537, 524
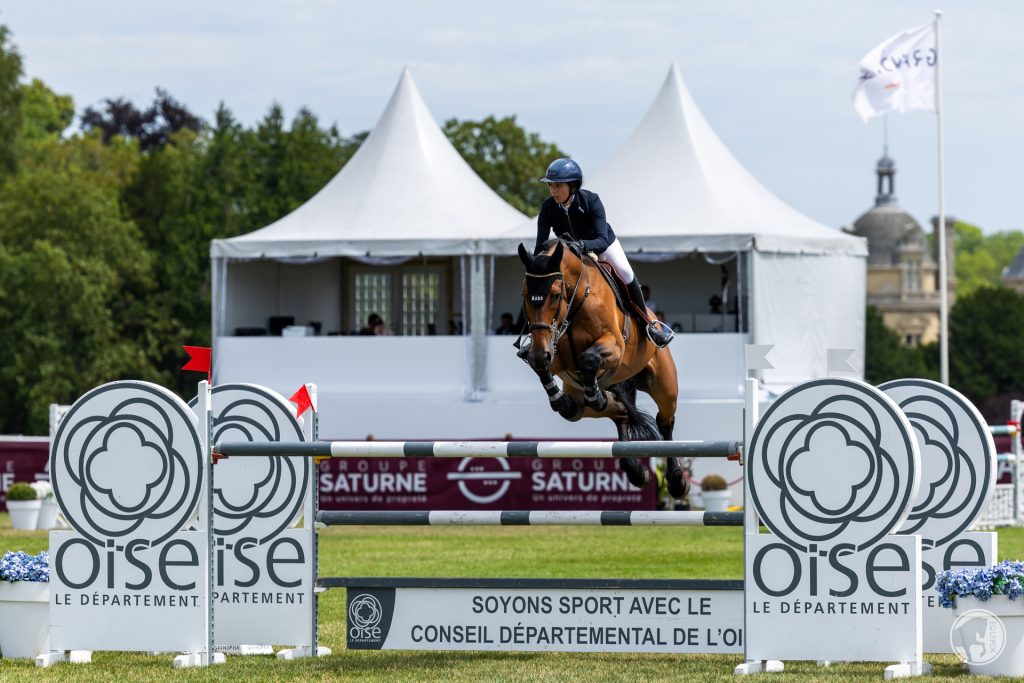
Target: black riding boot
657, 331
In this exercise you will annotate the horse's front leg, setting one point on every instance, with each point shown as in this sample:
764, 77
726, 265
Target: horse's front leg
606, 354
563, 404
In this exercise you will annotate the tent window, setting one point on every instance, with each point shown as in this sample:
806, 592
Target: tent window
421, 301
411, 298
372, 291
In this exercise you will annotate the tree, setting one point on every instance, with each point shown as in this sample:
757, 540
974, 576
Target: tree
73, 293
980, 258
45, 114
290, 165
10, 103
885, 356
986, 354
506, 157
153, 127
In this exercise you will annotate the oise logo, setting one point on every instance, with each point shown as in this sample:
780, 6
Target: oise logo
364, 615
126, 464
832, 462
256, 497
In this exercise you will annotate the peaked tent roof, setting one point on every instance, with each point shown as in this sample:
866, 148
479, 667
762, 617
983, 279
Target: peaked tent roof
405, 192
705, 199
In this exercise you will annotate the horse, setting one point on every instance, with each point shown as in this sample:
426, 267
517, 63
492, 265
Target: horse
579, 333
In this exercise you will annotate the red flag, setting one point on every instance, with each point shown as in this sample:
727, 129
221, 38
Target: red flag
302, 401
200, 359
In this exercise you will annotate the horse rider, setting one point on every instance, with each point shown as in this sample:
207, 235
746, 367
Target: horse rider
577, 215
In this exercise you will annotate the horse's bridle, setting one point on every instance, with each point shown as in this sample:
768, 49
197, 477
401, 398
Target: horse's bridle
557, 331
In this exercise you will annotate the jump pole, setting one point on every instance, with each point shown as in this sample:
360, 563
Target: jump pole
485, 449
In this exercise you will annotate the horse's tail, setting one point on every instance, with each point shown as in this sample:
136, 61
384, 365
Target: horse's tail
640, 426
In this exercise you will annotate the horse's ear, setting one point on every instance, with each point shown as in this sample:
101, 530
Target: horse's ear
524, 256
556, 256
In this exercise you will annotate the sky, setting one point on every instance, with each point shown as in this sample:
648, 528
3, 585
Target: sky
774, 79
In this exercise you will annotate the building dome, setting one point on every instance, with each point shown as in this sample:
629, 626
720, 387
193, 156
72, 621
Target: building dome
891, 232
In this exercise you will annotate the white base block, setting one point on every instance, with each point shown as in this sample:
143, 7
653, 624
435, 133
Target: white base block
191, 659
303, 651
58, 657
825, 663
245, 650
907, 669
757, 666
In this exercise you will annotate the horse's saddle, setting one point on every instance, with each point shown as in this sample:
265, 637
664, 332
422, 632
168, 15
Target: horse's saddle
622, 298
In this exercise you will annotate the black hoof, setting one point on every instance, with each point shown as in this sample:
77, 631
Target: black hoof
638, 475
598, 404
678, 486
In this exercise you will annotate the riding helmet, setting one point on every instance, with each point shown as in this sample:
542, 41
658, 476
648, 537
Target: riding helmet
563, 171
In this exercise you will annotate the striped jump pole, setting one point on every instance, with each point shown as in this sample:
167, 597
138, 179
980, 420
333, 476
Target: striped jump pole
1004, 430
526, 518
485, 449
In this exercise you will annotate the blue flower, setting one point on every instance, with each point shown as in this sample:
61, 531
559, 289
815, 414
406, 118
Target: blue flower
21, 566
1006, 578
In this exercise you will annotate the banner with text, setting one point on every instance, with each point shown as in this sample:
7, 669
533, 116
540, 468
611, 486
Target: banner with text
478, 483
556, 620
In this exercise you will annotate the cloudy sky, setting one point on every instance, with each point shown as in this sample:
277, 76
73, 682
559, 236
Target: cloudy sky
773, 78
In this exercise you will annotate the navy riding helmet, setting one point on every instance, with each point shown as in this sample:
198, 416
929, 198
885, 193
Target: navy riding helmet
563, 171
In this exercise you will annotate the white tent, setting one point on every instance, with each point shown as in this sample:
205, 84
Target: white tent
674, 188
405, 193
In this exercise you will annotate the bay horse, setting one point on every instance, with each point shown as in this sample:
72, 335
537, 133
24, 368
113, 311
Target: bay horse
601, 353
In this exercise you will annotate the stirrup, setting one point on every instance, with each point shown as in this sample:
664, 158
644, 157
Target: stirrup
653, 329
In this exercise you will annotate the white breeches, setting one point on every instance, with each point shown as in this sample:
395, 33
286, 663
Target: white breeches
615, 256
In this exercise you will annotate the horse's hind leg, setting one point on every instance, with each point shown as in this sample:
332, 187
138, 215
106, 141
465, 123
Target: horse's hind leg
663, 386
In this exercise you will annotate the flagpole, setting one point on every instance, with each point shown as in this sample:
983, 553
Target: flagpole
943, 265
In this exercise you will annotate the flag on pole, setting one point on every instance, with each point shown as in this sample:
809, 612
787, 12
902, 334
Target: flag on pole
302, 400
200, 359
899, 74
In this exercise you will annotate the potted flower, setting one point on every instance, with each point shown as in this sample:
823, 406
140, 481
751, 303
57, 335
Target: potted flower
24, 604
48, 505
714, 491
988, 624
23, 503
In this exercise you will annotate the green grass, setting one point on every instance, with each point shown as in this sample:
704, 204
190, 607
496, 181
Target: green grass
588, 552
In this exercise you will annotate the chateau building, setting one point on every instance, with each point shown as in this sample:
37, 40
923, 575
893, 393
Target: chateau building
903, 272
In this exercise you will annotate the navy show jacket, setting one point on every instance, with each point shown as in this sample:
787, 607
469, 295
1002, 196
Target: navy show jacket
585, 222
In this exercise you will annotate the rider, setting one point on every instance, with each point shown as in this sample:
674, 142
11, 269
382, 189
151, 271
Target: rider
578, 215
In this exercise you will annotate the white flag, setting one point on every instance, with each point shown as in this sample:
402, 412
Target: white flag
899, 74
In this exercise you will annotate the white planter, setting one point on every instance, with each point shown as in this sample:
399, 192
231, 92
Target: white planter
994, 647
716, 501
24, 513
47, 514
24, 619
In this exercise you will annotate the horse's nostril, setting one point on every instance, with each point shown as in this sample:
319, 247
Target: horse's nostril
547, 357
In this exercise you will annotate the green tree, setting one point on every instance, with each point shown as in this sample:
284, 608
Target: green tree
981, 258
885, 356
986, 359
10, 102
506, 157
290, 165
73, 286
45, 114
